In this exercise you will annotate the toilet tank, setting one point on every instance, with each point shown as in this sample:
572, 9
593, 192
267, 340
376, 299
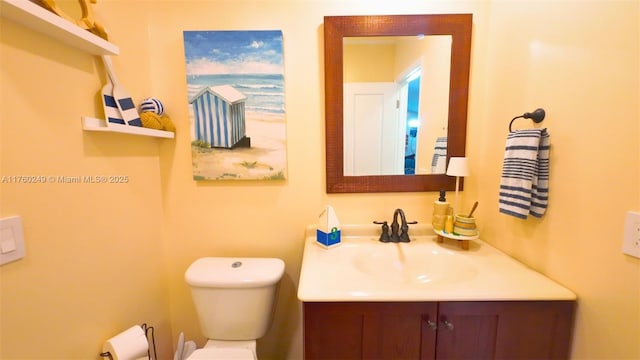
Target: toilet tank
234, 297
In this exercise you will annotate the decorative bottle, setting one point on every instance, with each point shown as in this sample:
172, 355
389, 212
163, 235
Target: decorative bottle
448, 223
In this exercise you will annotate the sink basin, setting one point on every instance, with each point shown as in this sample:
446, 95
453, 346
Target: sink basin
362, 268
413, 263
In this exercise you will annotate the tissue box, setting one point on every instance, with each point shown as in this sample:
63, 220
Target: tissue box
328, 233
328, 239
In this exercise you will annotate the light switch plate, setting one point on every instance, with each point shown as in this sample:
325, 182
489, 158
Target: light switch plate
631, 243
11, 240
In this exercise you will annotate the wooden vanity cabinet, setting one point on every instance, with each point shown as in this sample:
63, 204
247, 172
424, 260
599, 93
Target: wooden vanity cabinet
505, 330
438, 330
367, 330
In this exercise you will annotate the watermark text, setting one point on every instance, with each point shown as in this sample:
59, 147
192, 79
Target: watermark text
64, 179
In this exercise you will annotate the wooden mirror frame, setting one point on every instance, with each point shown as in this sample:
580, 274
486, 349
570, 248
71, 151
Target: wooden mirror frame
338, 27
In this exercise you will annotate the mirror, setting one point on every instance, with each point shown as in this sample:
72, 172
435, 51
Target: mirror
396, 103
446, 97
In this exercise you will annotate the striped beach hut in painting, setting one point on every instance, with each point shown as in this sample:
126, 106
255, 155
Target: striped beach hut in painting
219, 117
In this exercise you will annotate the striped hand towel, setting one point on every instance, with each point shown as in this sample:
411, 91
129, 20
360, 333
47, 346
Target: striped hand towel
524, 186
439, 158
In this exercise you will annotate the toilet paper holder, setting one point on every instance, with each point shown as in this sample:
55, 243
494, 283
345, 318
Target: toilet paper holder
149, 334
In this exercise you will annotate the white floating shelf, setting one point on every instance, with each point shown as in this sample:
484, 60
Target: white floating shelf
93, 124
30, 15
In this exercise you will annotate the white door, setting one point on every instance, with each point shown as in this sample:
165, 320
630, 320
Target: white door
374, 134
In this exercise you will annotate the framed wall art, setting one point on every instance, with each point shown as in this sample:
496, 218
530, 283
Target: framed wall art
235, 96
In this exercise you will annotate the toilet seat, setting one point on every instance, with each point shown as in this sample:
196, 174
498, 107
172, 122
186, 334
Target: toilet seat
222, 354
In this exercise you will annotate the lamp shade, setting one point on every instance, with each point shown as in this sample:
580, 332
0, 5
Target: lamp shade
458, 167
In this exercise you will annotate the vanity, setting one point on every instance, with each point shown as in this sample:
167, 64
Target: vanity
365, 299
428, 298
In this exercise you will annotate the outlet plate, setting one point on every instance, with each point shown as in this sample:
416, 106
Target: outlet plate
631, 243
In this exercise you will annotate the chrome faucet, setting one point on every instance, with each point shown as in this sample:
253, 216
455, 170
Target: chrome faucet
399, 232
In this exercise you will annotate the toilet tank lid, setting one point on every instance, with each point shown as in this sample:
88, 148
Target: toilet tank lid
231, 272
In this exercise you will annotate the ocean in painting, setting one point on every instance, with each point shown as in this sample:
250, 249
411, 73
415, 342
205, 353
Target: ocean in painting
265, 92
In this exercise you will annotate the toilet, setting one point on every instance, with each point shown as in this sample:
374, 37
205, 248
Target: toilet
235, 300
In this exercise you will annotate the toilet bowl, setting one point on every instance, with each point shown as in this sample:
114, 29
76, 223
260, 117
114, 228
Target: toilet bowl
223, 350
222, 354
235, 301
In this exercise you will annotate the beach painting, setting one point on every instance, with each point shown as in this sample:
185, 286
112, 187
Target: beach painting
235, 96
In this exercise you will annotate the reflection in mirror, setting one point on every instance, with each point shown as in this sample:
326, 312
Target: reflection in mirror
396, 92
423, 60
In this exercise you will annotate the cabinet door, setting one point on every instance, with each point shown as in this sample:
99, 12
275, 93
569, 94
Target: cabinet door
369, 330
333, 331
505, 330
403, 331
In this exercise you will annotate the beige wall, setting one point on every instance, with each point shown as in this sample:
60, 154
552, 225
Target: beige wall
435, 56
102, 258
362, 62
94, 263
586, 79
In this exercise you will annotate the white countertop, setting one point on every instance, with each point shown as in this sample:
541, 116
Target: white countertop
362, 268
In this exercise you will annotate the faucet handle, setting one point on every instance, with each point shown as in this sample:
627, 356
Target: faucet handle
405, 225
404, 231
384, 235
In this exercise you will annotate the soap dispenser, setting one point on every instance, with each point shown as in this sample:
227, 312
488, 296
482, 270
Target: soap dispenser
440, 210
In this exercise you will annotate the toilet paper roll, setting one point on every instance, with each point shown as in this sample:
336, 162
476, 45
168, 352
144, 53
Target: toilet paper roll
130, 344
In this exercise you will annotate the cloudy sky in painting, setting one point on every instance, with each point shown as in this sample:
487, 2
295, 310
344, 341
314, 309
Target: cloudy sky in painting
233, 52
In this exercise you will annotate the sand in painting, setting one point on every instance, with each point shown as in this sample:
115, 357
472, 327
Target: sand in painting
265, 159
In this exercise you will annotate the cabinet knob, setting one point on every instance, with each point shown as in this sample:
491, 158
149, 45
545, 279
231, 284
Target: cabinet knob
430, 324
448, 324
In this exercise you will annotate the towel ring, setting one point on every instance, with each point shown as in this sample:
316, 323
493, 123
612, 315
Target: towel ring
537, 116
